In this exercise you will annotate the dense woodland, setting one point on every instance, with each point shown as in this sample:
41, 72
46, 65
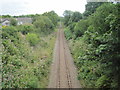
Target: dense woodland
94, 39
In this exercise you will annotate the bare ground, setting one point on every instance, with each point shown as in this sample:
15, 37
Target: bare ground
63, 71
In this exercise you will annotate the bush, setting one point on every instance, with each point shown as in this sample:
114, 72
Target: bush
80, 28
44, 24
19, 59
98, 60
25, 29
13, 22
32, 38
101, 82
69, 35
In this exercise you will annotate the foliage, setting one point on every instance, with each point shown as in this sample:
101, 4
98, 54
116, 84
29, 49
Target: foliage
52, 16
25, 66
76, 16
29, 15
26, 53
68, 34
90, 8
32, 38
25, 29
44, 24
70, 17
67, 15
6, 16
101, 82
13, 22
80, 28
71, 26
95, 47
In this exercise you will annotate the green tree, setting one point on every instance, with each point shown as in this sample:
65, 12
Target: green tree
91, 7
13, 22
80, 28
25, 29
32, 38
67, 15
52, 16
76, 16
6, 16
44, 24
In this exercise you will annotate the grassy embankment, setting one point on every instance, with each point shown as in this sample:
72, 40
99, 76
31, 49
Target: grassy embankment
26, 60
94, 42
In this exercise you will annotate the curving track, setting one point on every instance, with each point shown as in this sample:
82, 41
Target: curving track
63, 72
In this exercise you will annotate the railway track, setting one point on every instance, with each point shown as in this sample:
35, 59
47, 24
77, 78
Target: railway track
58, 79
66, 64
61, 41
63, 73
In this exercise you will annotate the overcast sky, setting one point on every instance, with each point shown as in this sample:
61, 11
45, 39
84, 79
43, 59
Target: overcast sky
19, 7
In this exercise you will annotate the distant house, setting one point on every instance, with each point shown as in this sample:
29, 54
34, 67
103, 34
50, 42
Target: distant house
5, 22
20, 21
24, 20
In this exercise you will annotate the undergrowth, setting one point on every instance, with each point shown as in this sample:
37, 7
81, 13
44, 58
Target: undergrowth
25, 63
94, 43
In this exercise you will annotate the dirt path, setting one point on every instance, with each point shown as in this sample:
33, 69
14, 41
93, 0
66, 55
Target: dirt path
63, 72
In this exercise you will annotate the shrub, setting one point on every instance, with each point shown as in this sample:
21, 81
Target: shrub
102, 55
44, 24
32, 38
101, 82
80, 28
13, 22
25, 29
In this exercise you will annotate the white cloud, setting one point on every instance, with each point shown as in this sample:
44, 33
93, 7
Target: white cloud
18, 7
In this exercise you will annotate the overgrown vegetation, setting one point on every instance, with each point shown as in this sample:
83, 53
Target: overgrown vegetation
13, 22
27, 53
94, 41
33, 39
